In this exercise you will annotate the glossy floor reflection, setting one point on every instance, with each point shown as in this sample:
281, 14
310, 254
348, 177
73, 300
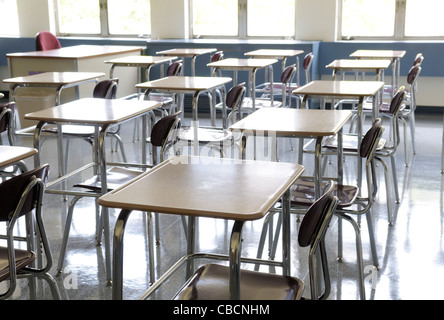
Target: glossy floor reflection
411, 252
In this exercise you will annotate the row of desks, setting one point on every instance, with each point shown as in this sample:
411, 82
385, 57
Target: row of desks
218, 174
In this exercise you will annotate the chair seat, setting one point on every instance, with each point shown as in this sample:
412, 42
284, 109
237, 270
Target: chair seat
205, 134
349, 143
22, 259
259, 103
116, 176
303, 193
277, 87
211, 282
164, 99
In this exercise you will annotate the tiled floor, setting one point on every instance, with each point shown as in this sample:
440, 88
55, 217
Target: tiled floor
411, 253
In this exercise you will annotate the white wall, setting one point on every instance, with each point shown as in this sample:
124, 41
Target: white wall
169, 19
35, 16
316, 20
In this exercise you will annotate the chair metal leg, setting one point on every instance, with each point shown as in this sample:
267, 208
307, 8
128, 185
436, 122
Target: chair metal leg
358, 252
66, 234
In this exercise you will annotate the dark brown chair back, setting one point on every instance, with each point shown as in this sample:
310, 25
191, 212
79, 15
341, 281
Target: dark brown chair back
288, 74
235, 96
106, 89
174, 69
163, 127
45, 40
317, 218
11, 192
6, 114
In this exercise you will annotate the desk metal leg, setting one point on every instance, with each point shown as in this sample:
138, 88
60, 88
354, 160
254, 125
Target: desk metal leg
235, 254
119, 231
105, 216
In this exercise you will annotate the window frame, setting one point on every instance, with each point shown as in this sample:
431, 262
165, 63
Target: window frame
399, 32
242, 24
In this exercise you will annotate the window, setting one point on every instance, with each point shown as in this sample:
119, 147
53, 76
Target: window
9, 24
129, 17
392, 19
271, 18
368, 18
215, 17
423, 18
243, 18
104, 17
79, 17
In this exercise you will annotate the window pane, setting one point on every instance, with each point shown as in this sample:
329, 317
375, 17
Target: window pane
129, 16
424, 18
271, 18
77, 16
215, 17
368, 18
9, 25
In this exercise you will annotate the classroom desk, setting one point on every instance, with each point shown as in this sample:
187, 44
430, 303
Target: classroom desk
13, 154
358, 66
79, 58
250, 65
191, 85
140, 62
394, 55
344, 90
183, 177
56, 80
280, 54
102, 114
289, 122
192, 53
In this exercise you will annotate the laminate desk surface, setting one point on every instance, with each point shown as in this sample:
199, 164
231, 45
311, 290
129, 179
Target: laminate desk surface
186, 52
207, 187
378, 54
77, 52
93, 111
352, 64
55, 78
140, 61
193, 84
12, 154
294, 122
340, 88
235, 63
274, 53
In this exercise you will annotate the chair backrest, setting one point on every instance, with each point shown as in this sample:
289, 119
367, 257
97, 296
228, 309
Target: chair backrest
306, 64
6, 119
235, 96
106, 89
413, 74
174, 69
312, 232
312, 226
45, 40
217, 56
165, 134
371, 138
12, 191
163, 127
418, 59
288, 74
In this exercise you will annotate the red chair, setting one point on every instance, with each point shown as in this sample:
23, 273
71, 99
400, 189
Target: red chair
45, 40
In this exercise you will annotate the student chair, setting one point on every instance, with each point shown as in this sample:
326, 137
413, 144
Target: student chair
21, 198
211, 281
